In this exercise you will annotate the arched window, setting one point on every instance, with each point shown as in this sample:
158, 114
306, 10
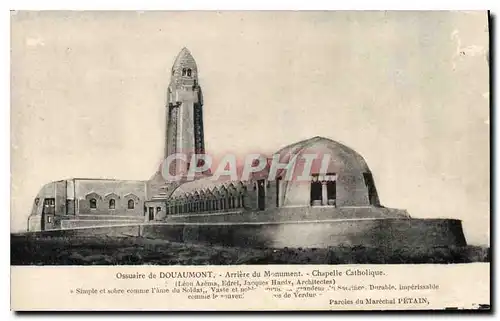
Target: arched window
93, 203
111, 204
183, 71
131, 204
189, 72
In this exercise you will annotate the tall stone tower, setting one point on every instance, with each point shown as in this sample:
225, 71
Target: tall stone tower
185, 112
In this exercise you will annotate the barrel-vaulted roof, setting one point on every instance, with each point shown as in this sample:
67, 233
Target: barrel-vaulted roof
342, 158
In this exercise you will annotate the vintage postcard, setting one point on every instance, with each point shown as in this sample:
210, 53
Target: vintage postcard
250, 160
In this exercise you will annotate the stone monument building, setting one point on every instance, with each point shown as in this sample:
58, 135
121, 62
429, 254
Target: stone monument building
339, 197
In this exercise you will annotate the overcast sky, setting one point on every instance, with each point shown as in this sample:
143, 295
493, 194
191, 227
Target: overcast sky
407, 90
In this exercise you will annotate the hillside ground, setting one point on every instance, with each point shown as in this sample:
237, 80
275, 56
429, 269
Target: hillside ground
43, 250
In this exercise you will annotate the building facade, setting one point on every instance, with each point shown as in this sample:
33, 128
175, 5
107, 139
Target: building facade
341, 187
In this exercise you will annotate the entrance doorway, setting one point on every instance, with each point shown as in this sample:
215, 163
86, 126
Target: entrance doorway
372, 191
261, 194
316, 193
49, 207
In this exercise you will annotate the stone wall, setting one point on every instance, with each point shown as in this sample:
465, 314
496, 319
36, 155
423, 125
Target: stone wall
34, 223
54, 190
388, 233
251, 199
352, 190
380, 233
271, 196
103, 191
96, 221
72, 198
159, 210
284, 214
60, 190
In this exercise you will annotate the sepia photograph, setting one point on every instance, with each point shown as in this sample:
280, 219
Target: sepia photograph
250, 138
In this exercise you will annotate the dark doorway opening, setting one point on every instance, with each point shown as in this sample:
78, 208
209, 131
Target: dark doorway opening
49, 207
331, 192
372, 191
261, 194
151, 213
316, 191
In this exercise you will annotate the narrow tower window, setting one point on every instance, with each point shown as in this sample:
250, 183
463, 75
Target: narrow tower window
183, 71
189, 72
131, 204
93, 203
111, 204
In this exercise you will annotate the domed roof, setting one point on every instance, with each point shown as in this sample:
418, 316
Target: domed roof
184, 60
342, 158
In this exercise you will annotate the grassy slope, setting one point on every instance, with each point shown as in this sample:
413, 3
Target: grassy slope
27, 250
